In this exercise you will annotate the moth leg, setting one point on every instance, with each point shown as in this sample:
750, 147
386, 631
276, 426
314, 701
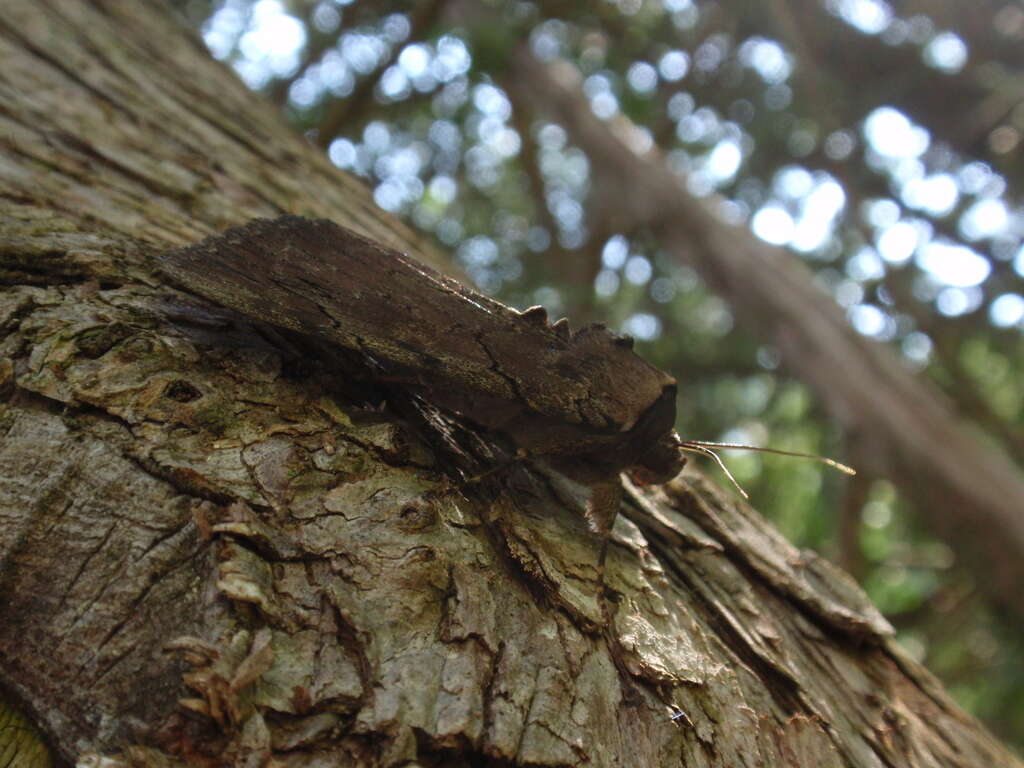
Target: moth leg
501, 466
602, 509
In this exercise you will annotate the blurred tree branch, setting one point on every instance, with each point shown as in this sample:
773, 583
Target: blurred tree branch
351, 112
956, 481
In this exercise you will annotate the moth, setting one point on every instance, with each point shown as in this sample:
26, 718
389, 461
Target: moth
582, 401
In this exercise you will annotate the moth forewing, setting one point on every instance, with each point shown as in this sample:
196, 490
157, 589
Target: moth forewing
558, 393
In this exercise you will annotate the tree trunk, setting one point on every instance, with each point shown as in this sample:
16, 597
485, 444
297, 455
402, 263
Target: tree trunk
221, 544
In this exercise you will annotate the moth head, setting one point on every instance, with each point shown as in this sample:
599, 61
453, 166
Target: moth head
660, 463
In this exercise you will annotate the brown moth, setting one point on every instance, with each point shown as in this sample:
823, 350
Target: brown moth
582, 401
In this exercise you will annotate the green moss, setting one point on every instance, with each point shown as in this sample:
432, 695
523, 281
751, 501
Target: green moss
215, 417
96, 342
6, 419
21, 743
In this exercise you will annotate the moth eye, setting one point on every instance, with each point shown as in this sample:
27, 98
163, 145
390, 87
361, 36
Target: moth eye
625, 340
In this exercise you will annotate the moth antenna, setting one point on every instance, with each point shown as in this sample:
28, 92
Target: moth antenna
740, 446
695, 447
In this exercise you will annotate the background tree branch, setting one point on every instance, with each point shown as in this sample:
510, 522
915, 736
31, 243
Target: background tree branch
912, 435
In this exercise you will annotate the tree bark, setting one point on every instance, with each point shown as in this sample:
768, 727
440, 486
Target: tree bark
221, 544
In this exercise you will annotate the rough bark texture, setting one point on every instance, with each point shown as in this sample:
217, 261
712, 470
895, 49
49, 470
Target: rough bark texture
217, 547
